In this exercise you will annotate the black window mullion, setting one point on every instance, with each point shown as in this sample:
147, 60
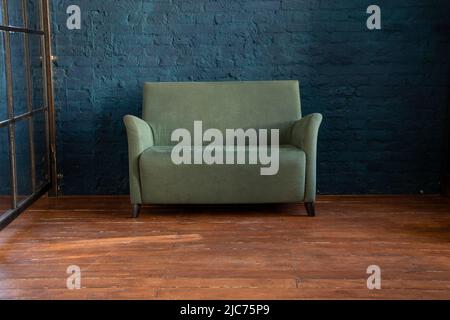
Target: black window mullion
29, 81
10, 108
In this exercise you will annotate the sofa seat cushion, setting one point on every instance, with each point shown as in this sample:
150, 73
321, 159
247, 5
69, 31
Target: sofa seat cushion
163, 182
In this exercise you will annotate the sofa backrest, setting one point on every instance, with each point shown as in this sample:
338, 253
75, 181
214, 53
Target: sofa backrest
223, 105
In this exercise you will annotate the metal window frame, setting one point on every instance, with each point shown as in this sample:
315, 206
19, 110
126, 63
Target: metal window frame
48, 109
29, 114
21, 30
49, 97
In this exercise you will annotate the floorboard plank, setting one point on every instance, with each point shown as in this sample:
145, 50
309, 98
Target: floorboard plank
229, 252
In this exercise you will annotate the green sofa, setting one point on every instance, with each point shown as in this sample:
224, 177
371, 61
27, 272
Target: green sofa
155, 179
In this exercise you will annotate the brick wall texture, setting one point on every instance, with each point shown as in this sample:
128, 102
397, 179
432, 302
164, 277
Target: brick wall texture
384, 94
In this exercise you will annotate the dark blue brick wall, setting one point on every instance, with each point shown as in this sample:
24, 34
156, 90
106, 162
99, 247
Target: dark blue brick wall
384, 94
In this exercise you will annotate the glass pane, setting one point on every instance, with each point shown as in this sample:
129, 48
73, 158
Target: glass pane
5, 179
24, 188
34, 21
15, 13
20, 92
36, 70
40, 148
3, 100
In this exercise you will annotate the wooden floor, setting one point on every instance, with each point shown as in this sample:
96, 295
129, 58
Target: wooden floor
272, 252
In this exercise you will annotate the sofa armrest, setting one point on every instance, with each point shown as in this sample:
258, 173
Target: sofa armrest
140, 138
304, 135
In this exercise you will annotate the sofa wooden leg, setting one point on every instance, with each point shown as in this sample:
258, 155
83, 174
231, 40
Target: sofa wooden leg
310, 208
136, 210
